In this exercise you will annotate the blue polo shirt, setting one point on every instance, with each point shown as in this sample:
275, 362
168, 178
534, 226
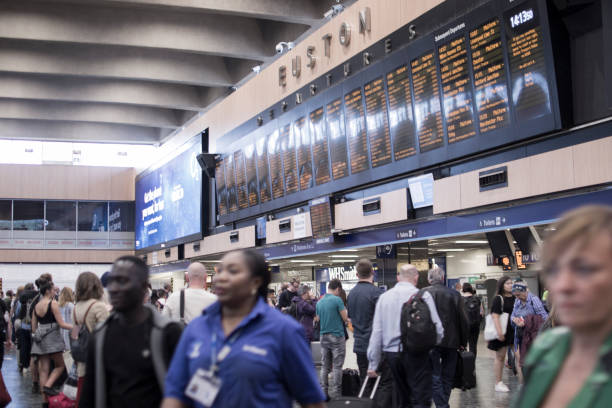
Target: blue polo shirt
328, 310
269, 364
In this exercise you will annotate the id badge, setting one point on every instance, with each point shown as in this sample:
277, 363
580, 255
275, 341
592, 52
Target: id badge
203, 387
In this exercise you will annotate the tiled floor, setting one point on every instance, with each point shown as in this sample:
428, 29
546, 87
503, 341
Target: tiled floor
483, 396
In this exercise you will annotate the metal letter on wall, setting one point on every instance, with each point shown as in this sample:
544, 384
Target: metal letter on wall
345, 34
312, 60
365, 20
282, 75
296, 66
327, 40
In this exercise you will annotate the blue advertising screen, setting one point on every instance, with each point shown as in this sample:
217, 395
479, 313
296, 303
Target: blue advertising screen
168, 200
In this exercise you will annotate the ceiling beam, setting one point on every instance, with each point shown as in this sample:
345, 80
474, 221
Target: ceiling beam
92, 112
183, 97
226, 35
120, 62
76, 131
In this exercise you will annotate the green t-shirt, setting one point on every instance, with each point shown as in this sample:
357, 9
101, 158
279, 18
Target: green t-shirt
544, 362
328, 310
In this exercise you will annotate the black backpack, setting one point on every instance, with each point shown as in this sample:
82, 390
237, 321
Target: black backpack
79, 337
472, 310
417, 328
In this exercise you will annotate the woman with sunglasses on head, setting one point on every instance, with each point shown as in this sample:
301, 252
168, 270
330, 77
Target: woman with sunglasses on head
242, 353
571, 366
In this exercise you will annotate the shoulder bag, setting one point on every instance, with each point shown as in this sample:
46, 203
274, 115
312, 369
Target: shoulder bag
490, 332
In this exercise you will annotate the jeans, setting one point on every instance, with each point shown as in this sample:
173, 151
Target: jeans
333, 350
419, 377
444, 364
362, 363
473, 339
25, 346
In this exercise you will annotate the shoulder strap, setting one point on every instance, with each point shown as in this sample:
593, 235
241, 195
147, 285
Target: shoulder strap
182, 306
157, 347
86, 312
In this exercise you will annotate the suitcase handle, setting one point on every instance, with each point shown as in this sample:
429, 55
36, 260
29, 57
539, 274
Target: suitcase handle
373, 389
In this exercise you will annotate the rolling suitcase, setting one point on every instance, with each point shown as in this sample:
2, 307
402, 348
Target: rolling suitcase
350, 382
465, 374
357, 402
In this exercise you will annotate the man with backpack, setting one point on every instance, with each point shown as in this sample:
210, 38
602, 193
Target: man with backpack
444, 356
129, 354
406, 372
473, 312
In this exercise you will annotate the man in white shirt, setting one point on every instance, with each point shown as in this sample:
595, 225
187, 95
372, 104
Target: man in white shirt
411, 374
196, 297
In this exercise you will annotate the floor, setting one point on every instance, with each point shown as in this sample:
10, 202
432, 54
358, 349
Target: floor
483, 396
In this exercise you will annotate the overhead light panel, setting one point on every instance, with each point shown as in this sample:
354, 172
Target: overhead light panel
472, 241
301, 261
450, 250
344, 256
348, 250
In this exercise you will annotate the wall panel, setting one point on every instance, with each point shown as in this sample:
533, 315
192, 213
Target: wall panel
60, 256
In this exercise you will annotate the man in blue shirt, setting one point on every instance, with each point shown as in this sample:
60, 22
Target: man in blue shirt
361, 303
332, 315
410, 373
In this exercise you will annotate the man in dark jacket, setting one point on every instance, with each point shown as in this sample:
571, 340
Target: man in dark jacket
285, 298
444, 356
361, 305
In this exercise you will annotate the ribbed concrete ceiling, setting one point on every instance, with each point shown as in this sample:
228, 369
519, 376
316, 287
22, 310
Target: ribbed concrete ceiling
132, 71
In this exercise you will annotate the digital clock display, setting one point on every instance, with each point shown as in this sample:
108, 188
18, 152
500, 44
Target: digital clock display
521, 17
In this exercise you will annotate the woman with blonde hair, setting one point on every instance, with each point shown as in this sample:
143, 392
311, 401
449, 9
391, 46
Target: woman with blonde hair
570, 365
66, 305
89, 310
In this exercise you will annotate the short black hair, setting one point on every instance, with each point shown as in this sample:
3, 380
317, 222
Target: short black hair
45, 286
259, 268
468, 288
138, 265
364, 268
334, 284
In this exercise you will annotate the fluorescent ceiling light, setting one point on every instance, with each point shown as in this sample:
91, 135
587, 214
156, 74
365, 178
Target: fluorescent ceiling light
472, 241
348, 250
301, 261
451, 250
340, 260
344, 256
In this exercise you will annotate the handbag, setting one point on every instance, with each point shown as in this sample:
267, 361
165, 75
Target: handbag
490, 332
40, 334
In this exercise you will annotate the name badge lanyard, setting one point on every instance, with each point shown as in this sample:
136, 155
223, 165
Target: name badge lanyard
217, 358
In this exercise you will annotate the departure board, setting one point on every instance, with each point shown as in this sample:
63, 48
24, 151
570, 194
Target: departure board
276, 165
337, 139
320, 217
230, 181
320, 147
220, 185
530, 94
489, 76
263, 173
377, 122
304, 152
251, 174
356, 131
401, 119
241, 188
427, 102
456, 90
287, 143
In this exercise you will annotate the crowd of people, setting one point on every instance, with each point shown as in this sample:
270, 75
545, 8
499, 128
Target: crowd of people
244, 347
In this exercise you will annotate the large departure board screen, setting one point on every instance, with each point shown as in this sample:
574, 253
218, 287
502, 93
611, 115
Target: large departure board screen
263, 174
401, 119
230, 182
530, 94
337, 139
320, 217
220, 186
287, 143
304, 152
320, 147
251, 174
456, 90
276, 165
490, 76
356, 131
377, 122
241, 187
427, 102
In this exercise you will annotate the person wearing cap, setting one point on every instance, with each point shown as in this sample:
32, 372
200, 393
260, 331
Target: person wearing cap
528, 309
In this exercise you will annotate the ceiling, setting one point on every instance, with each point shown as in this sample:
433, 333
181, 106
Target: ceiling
132, 71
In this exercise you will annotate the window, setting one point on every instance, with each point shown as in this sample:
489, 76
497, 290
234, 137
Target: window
61, 216
121, 217
5, 215
93, 216
28, 215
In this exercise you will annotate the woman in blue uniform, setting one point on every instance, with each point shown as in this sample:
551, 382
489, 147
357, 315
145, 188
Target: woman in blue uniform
241, 352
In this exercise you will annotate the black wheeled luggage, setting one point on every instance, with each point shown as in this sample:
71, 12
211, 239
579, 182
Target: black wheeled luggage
465, 374
356, 402
350, 382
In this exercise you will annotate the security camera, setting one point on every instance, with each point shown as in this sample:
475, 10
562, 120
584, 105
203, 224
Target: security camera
284, 46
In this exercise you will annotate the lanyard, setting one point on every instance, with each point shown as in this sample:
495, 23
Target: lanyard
217, 358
